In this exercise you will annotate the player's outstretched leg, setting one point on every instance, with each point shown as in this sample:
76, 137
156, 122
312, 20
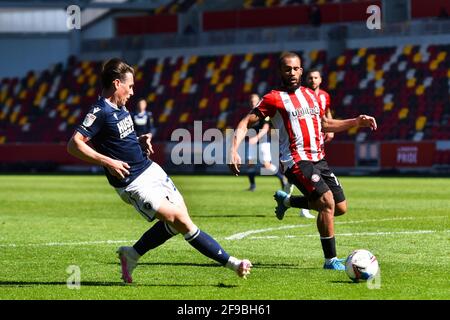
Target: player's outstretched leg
179, 219
209, 247
159, 233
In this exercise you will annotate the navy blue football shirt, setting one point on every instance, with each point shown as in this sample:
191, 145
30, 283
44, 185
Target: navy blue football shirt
143, 122
111, 132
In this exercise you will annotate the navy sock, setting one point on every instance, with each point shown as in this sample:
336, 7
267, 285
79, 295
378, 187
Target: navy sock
207, 246
328, 247
299, 202
251, 178
154, 237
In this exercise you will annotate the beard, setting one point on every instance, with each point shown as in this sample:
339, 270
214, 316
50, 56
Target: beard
290, 87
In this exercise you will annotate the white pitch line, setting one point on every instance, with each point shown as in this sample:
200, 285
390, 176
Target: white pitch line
239, 236
236, 236
57, 244
242, 235
355, 234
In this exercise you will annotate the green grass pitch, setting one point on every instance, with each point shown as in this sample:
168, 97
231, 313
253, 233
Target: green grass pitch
48, 223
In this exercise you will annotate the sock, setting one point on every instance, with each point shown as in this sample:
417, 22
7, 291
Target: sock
159, 233
251, 178
328, 247
287, 201
206, 245
299, 202
233, 263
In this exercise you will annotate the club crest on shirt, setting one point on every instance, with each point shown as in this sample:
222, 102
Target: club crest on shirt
89, 120
315, 178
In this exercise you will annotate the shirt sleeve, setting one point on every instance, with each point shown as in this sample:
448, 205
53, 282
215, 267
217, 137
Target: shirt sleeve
92, 123
327, 102
267, 106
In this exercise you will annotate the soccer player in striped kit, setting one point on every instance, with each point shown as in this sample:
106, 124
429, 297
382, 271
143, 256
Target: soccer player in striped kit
296, 113
313, 81
138, 180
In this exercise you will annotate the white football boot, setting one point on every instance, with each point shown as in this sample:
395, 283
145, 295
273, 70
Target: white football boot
128, 261
304, 213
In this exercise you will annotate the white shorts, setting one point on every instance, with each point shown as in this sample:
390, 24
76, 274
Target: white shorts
264, 153
148, 190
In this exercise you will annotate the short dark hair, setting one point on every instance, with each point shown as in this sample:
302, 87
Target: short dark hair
287, 54
314, 70
114, 69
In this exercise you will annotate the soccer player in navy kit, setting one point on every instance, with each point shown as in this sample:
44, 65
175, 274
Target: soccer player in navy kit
143, 119
138, 180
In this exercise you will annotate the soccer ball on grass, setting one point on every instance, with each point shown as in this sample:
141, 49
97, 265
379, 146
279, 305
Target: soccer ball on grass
361, 264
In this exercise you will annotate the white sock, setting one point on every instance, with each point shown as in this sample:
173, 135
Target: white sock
133, 253
328, 261
233, 263
287, 201
191, 234
273, 169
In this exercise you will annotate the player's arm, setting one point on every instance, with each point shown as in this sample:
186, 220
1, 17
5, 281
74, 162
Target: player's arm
263, 131
239, 135
78, 147
334, 125
145, 142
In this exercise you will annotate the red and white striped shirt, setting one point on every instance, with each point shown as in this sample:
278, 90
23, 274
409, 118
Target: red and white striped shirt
297, 115
324, 100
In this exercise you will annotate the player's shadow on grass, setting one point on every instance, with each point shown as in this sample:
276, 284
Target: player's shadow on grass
229, 215
182, 264
344, 282
212, 265
281, 266
56, 283
104, 284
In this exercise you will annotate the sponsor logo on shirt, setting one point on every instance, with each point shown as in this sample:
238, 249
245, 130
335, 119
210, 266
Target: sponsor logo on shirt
301, 112
125, 127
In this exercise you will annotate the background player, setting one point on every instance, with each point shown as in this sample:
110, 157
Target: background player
262, 128
143, 120
138, 180
294, 110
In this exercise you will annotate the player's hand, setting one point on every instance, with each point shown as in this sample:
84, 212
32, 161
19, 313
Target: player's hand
328, 136
117, 168
235, 163
253, 140
367, 121
146, 144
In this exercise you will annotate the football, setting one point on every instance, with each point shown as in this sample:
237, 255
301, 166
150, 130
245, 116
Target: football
361, 264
